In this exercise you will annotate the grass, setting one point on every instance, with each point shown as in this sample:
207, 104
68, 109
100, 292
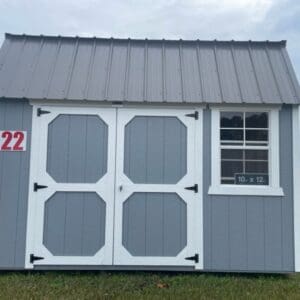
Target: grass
146, 285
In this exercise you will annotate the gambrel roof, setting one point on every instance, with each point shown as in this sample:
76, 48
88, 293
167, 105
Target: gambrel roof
74, 68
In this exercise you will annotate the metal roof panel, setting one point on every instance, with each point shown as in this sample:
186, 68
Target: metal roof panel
154, 85
191, 77
117, 71
75, 68
173, 69
246, 75
136, 73
77, 85
98, 71
212, 92
39, 81
227, 73
264, 74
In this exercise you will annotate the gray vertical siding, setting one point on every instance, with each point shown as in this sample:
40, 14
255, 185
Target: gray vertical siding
14, 176
250, 233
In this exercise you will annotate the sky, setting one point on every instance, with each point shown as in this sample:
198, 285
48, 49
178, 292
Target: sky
169, 19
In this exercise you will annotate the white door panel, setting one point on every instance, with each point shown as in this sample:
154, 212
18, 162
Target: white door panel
151, 239
71, 220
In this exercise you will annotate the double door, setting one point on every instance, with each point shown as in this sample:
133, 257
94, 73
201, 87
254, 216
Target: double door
113, 186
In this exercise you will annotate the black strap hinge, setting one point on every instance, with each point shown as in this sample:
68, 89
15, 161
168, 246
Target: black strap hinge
195, 258
37, 187
40, 112
193, 188
194, 115
33, 258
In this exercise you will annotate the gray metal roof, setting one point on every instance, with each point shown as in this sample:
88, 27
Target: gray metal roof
73, 68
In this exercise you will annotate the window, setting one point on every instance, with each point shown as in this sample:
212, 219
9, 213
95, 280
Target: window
245, 152
244, 141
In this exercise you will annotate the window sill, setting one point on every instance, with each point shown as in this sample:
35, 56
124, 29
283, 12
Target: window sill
243, 190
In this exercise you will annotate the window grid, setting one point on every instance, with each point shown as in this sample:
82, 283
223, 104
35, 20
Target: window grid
244, 145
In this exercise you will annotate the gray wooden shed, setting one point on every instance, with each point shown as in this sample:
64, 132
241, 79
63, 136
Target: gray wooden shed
148, 155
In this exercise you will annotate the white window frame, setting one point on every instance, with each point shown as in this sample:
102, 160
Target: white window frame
273, 189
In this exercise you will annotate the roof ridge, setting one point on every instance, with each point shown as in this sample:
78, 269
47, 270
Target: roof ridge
12, 35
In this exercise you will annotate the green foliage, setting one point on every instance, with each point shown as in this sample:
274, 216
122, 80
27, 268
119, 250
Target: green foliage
146, 285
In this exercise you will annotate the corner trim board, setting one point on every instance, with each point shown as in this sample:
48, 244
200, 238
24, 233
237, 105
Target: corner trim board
296, 184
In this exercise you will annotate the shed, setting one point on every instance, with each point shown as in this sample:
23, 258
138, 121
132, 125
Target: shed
124, 154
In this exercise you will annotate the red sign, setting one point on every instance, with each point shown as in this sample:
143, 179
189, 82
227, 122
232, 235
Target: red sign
13, 140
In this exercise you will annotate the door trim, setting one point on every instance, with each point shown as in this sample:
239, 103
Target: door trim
31, 211
198, 207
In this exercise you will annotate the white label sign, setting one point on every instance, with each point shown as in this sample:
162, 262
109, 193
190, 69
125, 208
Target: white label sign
13, 140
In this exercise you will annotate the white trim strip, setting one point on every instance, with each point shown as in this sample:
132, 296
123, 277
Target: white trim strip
35, 131
198, 207
296, 183
245, 190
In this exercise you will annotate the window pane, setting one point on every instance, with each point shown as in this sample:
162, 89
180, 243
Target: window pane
256, 135
232, 135
231, 154
256, 154
232, 119
227, 181
249, 154
257, 120
251, 164
258, 167
229, 168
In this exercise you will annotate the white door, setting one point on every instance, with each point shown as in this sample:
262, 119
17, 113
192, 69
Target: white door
156, 188
71, 199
